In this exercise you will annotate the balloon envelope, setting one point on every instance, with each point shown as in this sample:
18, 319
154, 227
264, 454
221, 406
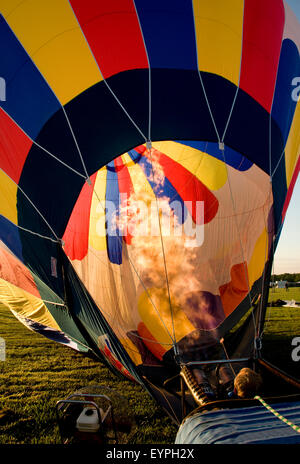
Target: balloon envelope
148, 154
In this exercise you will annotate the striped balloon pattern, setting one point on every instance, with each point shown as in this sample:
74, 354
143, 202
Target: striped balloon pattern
148, 155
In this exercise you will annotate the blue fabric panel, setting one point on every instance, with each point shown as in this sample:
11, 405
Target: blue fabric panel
283, 105
233, 158
283, 111
169, 34
113, 237
29, 100
9, 234
165, 189
279, 188
54, 335
251, 425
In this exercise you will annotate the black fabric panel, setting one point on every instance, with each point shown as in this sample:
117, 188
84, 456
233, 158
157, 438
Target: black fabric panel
103, 131
89, 319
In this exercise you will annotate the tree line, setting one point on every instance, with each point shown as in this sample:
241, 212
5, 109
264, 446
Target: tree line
288, 277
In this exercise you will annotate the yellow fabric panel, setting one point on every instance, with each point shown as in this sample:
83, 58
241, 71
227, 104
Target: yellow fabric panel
127, 160
138, 179
209, 170
49, 32
258, 258
219, 28
158, 319
8, 6
142, 200
97, 231
292, 149
8, 195
131, 350
25, 304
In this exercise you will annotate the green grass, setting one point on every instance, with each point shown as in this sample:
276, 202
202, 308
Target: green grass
292, 293
282, 324
38, 372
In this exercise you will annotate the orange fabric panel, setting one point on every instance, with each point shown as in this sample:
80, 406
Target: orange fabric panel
154, 346
13, 271
235, 291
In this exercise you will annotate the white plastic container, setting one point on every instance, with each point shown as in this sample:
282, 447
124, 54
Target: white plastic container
88, 421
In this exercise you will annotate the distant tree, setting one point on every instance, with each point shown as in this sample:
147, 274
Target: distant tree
286, 276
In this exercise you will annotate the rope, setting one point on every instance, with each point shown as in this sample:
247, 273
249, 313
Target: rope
43, 149
260, 331
279, 416
34, 233
140, 132
222, 149
163, 250
238, 86
226, 354
106, 83
137, 274
33, 205
76, 143
240, 240
55, 303
149, 75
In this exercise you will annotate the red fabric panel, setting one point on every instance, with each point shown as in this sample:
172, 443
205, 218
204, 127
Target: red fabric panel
140, 149
262, 37
291, 189
76, 236
14, 147
113, 33
125, 189
116, 363
188, 187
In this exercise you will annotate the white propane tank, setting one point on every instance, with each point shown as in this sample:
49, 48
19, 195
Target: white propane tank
88, 421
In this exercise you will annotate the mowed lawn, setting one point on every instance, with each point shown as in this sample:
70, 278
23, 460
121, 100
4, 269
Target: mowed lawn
282, 325
38, 372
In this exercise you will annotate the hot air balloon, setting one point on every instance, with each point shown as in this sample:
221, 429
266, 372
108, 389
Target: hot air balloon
148, 155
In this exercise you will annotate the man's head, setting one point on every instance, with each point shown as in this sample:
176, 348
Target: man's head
247, 383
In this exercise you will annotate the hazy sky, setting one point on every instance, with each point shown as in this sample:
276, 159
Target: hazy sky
287, 256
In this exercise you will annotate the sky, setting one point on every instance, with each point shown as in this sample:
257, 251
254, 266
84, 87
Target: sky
287, 255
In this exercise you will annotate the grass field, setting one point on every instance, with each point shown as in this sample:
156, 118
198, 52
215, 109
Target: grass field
282, 324
293, 293
37, 373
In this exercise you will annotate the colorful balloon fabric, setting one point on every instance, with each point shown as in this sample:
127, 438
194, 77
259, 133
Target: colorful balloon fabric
148, 155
